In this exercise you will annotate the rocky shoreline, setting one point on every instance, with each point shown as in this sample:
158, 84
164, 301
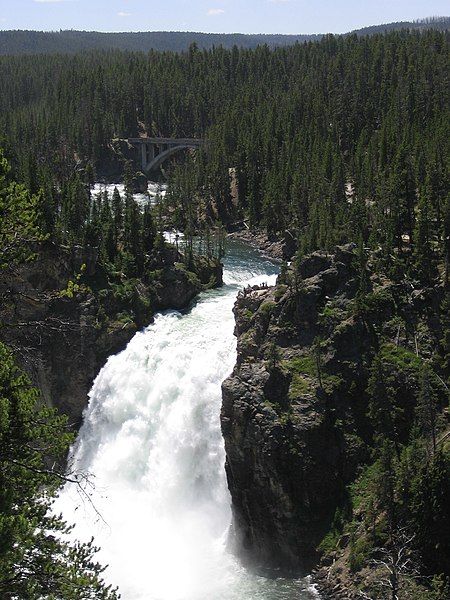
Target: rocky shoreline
274, 247
329, 588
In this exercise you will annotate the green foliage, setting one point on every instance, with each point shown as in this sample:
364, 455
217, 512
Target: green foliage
35, 561
73, 41
425, 261
302, 369
133, 304
306, 370
339, 155
299, 386
74, 286
352, 147
393, 389
19, 226
430, 491
396, 492
378, 305
280, 291
329, 315
273, 356
302, 365
445, 340
331, 540
267, 307
400, 359
359, 553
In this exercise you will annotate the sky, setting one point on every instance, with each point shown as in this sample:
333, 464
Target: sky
218, 16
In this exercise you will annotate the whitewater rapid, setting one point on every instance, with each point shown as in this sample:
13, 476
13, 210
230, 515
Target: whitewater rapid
154, 190
151, 441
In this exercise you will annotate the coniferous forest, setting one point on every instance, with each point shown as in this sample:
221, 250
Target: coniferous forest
339, 141
72, 41
304, 127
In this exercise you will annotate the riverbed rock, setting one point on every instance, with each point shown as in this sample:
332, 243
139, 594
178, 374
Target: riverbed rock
276, 246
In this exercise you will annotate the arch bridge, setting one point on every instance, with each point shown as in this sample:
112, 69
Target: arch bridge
154, 151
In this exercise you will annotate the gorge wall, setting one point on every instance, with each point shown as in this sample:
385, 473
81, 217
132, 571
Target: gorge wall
63, 315
294, 415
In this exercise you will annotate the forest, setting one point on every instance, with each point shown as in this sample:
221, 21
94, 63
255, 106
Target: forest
71, 41
325, 137
340, 140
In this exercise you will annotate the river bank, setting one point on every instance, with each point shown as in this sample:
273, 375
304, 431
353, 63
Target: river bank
64, 314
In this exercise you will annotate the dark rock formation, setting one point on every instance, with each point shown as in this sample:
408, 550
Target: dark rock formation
62, 337
277, 247
287, 461
294, 413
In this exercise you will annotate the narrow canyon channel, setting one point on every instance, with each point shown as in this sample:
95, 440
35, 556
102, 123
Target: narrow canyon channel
151, 440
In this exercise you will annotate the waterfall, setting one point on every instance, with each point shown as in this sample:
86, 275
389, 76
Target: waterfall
151, 441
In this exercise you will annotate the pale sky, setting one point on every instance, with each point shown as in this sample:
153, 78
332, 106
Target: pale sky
222, 16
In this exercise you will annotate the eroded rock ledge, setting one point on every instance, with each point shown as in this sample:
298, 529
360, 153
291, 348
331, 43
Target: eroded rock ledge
285, 462
276, 247
62, 337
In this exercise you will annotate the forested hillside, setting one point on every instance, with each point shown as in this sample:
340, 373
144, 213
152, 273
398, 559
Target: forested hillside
326, 138
66, 42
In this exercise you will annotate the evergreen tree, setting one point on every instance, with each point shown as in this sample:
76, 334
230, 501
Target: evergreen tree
19, 223
423, 248
35, 561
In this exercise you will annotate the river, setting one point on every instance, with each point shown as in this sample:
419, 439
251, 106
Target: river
154, 190
151, 440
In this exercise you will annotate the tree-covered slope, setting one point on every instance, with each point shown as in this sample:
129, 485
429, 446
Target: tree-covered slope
47, 42
324, 138
78, 280
36, 561
336, 410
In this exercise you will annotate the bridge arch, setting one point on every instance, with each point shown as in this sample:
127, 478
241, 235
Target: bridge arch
154, 151
163, 156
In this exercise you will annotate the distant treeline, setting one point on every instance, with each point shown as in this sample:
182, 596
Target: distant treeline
48, 42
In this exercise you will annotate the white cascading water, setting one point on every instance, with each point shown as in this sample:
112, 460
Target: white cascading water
152, 443
153, 190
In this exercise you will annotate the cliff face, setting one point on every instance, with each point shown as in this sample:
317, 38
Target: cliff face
285, 462
63, 335
294, 414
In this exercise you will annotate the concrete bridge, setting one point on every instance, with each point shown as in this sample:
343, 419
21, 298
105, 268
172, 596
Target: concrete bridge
154, 151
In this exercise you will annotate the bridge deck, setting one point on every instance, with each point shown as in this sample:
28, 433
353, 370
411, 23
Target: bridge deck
156, 141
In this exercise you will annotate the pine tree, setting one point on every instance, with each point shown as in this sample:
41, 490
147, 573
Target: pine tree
423, 248
19, 223
117, 210
446, 241
427, 408
35, 559
382, 408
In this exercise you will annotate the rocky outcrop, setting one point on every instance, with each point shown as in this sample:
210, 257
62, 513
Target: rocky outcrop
301, 372
63, 333
278, 247
295, 409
